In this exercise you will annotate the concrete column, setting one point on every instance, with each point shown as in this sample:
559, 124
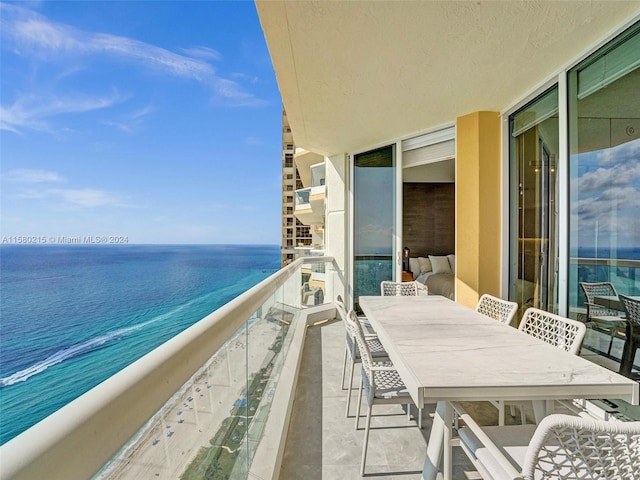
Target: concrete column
478, 206
335, 234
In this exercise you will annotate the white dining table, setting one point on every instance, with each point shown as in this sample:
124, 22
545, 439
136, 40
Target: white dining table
447, 352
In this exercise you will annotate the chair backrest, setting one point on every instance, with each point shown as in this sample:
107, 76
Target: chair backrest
341, 307
589, 449
632, 309
594, 289
361, 342
493, 307
396, 289
368, 379
558, 331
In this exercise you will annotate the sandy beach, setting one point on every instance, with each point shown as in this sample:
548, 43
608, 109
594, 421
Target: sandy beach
190, 420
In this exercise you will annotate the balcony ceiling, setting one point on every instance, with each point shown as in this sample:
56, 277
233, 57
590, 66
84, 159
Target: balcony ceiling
356, 74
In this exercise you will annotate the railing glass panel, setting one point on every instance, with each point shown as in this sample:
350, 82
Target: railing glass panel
302, 197
211, 426
317, 175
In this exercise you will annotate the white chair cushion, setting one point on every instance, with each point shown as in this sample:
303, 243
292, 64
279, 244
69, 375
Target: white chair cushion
516, 438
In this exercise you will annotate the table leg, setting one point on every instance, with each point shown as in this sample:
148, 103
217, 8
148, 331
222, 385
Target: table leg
626, 362
542, 408
447, 468
439, 441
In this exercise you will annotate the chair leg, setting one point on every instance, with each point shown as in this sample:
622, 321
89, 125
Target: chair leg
420, 418
351, 369
359, 403
344, 367
613, 334
523, 416
366, 441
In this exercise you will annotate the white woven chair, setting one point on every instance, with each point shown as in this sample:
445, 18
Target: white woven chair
351, 351
561, 447
558, 331
493, 307
380, 383
398, 289
597, 315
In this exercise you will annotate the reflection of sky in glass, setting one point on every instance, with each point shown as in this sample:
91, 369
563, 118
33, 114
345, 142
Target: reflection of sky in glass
374, 205
605, 197
374, 210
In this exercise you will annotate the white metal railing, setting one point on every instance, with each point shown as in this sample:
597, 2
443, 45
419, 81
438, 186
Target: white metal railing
80, 438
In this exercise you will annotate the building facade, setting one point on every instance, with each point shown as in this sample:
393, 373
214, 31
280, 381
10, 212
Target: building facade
294, 233
528, 111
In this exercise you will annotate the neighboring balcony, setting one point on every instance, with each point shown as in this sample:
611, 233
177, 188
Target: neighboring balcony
309, 205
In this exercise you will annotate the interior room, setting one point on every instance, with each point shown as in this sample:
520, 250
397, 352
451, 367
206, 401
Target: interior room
428, 223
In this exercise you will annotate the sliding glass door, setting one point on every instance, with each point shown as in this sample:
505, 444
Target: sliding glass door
604, 166
374, 220
534, 207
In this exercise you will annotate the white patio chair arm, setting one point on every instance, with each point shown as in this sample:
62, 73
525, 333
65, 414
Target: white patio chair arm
487, 443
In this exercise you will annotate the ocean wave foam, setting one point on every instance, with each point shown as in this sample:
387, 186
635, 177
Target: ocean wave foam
65, 354
86, 347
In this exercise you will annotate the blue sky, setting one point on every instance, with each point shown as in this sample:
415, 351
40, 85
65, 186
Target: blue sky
158, 121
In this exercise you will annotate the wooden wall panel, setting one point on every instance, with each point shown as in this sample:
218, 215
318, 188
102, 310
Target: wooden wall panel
428, 224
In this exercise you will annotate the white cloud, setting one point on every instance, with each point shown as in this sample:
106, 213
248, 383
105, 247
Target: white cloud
253, 141
604, 178
203, 52
607, 199
81, 197
27, 175
626, 152
248, 78
30, 111
31, 34
88, 197
129, 123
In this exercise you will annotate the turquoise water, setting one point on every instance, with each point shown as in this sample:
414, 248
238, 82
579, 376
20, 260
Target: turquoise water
72, 316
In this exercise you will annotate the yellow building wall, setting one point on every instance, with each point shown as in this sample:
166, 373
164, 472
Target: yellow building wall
478, 206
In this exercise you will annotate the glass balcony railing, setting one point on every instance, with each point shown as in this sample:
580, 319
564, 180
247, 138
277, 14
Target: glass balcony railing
302, 198
198, 406
317, 175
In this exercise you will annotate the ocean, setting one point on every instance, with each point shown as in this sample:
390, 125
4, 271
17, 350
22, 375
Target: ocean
73, 315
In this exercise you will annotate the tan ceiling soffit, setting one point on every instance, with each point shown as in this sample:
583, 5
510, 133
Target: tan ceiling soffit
357, 74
